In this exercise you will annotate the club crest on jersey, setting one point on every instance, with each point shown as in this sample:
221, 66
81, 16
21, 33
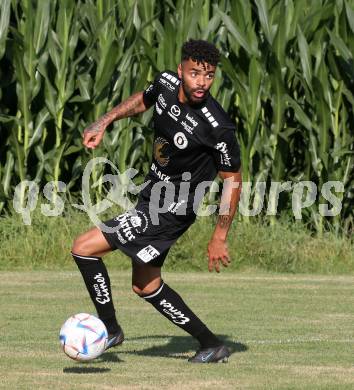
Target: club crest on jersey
174, 112
160, 151
180, 140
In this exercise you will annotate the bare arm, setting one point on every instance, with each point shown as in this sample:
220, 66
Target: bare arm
129, 107
217, 247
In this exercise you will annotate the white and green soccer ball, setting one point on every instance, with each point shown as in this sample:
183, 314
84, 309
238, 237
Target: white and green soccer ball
83, 337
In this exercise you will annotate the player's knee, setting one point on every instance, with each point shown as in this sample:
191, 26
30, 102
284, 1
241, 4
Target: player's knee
139, 291
80, 247
144, 290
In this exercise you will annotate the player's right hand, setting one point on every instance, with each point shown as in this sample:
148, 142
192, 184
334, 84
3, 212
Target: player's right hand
93, 135
218, 253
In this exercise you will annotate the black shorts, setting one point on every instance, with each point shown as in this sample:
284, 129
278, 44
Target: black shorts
144, 242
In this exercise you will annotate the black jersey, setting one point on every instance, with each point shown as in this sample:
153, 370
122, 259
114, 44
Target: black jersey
191, 143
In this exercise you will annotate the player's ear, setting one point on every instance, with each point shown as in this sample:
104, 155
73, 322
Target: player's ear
179, 71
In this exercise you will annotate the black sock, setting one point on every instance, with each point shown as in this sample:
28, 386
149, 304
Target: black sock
95, 275
171, 305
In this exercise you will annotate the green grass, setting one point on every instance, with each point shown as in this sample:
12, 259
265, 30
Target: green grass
285, 331
284, 247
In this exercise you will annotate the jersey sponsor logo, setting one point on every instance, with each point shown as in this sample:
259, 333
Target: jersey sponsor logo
148, 253
160, 151
101, 289
160, 104
180, 140
158, 109
149, 88
159, 174
192, 123
224, 157
192, 120
173, 207
210, 118
131, 223
186, 127
162, 101
174, 112
176, 315
167, 84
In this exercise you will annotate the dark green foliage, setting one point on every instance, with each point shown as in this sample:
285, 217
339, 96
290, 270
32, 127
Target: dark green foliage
286, 78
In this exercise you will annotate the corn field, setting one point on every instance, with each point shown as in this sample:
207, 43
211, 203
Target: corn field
286, 77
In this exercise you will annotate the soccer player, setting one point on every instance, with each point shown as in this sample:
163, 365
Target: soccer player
194, 141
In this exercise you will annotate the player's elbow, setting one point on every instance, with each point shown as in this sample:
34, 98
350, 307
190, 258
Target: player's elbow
235, 176
143, 103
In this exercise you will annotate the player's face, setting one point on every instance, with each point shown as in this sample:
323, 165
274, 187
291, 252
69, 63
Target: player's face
196, 80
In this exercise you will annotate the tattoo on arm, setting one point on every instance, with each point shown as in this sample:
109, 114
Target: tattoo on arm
95, 127
224, 221
130, 107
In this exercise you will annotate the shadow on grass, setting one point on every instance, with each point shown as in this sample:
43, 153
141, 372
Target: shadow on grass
176, 348
85, 370
89, 369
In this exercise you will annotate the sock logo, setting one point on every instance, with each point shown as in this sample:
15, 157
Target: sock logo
177, 316
101, 289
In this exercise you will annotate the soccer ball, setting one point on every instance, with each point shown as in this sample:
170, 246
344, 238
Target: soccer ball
83, 337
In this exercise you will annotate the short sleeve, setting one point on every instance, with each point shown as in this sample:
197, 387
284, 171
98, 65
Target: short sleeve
225, 149
227, 152
151, 92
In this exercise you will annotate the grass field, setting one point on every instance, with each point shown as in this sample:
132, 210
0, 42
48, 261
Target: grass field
285, 331
284, 247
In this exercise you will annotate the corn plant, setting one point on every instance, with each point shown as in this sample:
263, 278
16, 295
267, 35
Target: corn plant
286, 78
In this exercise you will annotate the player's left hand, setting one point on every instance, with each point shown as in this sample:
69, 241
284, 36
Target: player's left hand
218, 252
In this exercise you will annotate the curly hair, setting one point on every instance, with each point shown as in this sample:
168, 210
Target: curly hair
200, 51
